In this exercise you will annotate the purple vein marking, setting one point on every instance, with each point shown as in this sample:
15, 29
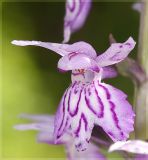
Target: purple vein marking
80, 123
63, 105
101, 104
112, 108
99, 115
77, 104
108, 96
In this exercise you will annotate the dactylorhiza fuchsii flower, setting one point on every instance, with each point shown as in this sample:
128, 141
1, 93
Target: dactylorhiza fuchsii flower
44, 124
75, 16
88, 101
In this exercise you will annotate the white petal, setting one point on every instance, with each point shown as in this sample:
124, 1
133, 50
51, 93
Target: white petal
133, 146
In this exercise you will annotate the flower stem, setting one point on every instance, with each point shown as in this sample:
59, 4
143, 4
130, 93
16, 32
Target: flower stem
141, 91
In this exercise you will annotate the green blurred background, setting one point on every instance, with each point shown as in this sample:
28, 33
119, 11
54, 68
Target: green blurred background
31, 82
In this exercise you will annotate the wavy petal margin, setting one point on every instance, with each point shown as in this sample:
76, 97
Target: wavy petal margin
87, 104
115, 53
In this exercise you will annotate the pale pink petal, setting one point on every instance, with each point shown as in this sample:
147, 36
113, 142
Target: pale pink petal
108, 72
42, 123
61, 49
38, 118
56, 47
117, 115
133, 146
116, 53
76, 14
35, 126
76, 60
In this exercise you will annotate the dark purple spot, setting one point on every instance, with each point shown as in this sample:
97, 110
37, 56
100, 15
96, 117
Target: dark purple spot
128, 44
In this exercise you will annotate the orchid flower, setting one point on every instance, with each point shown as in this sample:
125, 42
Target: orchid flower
76, 14
88, 101
44, 124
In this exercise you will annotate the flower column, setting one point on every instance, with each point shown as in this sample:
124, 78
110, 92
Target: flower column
142, 90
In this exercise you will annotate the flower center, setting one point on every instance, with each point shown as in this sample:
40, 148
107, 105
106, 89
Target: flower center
82, 75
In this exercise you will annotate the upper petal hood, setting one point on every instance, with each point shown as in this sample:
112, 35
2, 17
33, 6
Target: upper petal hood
116, 53
75, 60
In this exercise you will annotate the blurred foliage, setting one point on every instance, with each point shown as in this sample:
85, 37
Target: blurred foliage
31, 82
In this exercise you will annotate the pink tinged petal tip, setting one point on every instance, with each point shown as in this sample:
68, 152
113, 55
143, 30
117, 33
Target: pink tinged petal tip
75, 61
76, 14
133, 146
116, 53
40, 122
